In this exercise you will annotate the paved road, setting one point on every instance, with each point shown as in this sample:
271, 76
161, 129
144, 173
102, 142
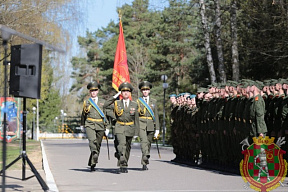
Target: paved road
68, 163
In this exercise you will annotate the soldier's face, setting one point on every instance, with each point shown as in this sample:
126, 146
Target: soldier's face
172, 99
145, 92
200, 95
193, 101
278, 86
125, 94
285, 86
94, 93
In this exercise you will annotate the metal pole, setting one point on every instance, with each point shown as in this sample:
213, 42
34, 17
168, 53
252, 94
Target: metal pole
5, 114
33, 127
24, 139
164, 126
62, 129
37, 119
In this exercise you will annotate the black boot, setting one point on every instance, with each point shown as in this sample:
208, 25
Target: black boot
144, 167
92, 168
123, 170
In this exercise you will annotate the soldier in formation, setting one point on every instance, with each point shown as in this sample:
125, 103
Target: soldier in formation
149, 121
94, 121
127, 123
226, 114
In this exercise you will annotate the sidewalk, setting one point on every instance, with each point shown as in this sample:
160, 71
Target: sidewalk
13, 181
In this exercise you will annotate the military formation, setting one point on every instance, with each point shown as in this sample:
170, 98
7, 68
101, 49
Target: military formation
129, 118
208, 127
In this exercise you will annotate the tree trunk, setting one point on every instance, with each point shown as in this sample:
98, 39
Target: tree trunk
207, 42
221, 67
235, 54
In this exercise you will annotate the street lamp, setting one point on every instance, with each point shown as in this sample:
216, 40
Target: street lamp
62, 116
33, 126
56, 122
165, 86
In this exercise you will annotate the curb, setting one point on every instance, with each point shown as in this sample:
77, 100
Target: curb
49, 177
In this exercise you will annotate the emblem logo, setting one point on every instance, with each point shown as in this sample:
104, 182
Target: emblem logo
263, 167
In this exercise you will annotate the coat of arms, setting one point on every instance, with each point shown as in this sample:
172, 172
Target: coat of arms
263, 167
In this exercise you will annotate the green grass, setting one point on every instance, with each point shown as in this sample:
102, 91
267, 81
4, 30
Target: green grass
33, 150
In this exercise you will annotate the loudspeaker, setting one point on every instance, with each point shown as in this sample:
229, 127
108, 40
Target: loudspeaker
25, 70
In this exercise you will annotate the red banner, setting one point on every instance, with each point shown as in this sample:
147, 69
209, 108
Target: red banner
120, 70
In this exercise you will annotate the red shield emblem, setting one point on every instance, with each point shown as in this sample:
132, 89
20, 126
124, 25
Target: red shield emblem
263, 167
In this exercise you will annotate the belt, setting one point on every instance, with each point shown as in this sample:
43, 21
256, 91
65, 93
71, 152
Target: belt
125, 123
146, 117
97, 120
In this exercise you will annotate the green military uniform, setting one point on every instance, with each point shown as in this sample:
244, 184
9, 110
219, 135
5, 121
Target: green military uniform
94, 123
257, 114
127, 126
148, 122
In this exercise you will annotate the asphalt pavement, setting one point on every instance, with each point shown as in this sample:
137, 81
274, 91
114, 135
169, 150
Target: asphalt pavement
65, 169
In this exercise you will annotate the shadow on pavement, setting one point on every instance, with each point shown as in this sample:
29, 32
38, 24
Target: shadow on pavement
113, 171
199, 168
14, 187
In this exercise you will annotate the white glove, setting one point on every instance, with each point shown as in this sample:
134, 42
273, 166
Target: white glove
115, 96
107, 132
82, 128
156, 134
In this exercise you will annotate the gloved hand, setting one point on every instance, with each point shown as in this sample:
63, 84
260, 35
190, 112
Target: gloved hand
117, 95
156, 134
107, 132
82, 129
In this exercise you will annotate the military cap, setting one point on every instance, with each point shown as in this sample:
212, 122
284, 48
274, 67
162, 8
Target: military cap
125, 87
205, 90
200, 90
273, 82
192, 96
259, 84
232, 83
172, 95
266, 82
244, 84
221, 85
187, 94
145, 85
283, 81
250, 82
93, 86
212, 85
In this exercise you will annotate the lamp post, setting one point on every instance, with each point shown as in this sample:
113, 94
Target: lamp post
33, 126
56, 122
165, 86
62, 116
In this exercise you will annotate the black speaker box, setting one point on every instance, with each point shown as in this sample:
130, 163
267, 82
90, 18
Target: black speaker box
25, 70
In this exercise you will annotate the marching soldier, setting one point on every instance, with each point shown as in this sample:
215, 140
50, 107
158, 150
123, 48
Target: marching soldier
127, 124
94, 121
148, 121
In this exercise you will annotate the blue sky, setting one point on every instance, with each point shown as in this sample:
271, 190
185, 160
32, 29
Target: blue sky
101, 12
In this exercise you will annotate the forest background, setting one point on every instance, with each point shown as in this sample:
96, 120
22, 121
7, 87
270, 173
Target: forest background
193, 42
